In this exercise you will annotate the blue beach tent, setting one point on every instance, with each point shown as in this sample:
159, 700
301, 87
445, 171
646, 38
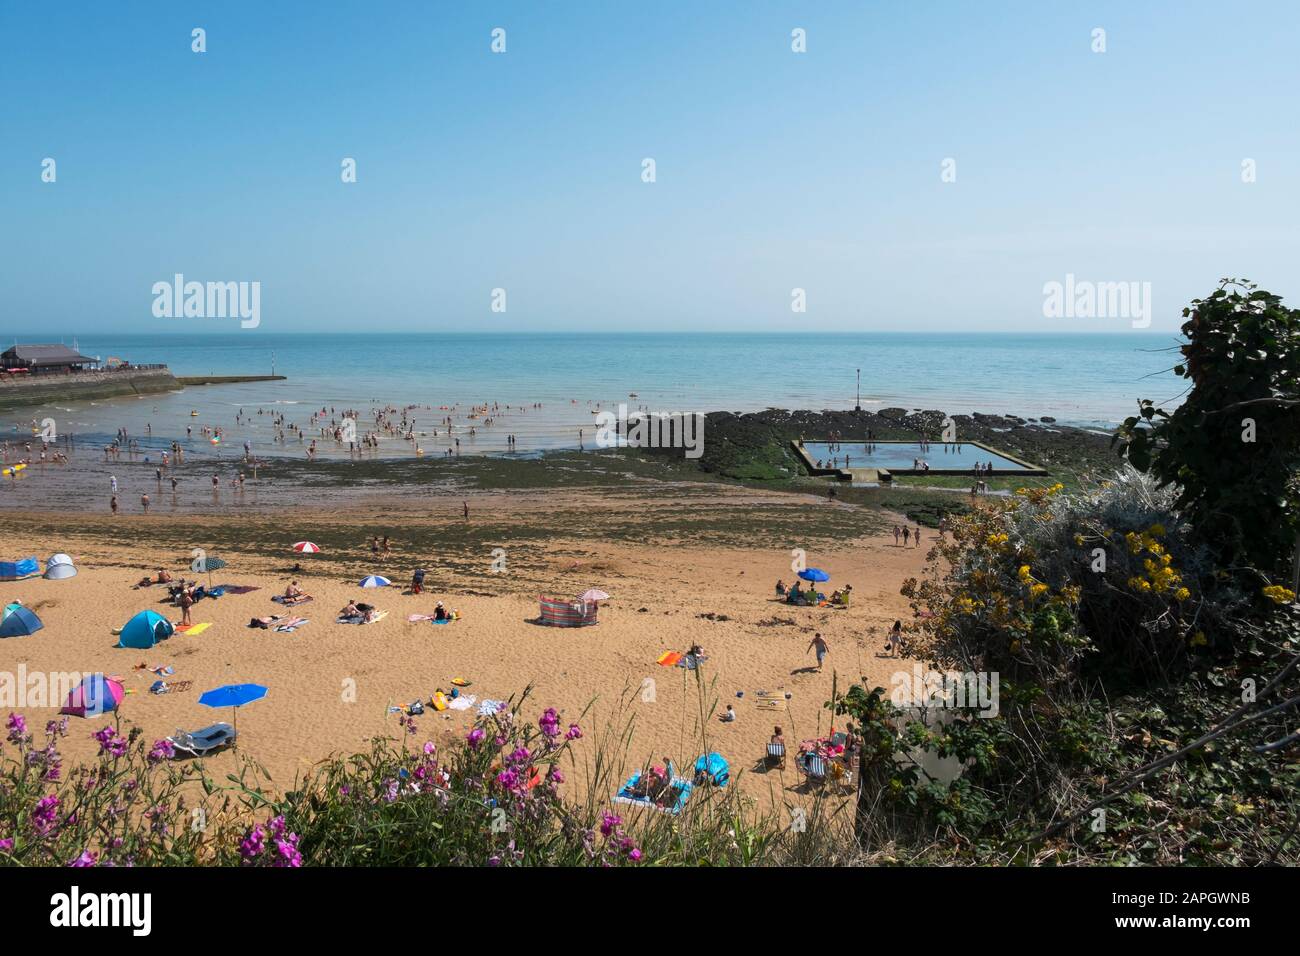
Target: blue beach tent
145, 630
19, 622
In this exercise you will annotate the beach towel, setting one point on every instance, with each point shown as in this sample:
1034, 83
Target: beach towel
240, 588
676, 800
192, 629
668, 658
291, 602
162, 687
463, 702
379, 616
490, 707
445, 620
291, 624
413, 618
769, 700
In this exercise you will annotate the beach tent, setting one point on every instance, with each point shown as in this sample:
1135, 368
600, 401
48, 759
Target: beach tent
19, 622
95, 695
560, 613
145, 630
17, 570
60, 566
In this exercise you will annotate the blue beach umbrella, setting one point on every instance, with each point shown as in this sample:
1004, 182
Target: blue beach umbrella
814, 574
233, 695
375, 581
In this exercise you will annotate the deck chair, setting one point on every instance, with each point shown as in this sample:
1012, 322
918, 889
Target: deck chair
776, 755
205, 741
814, 768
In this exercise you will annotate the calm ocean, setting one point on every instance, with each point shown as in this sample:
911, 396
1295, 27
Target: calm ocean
1078, 379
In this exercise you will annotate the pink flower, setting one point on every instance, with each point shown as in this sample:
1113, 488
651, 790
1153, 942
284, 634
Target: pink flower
574, 732
86, 859
162, 750
475, 737
609, 823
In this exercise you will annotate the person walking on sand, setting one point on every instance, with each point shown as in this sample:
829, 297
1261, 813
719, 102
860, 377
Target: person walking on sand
897, 534
822, 647
907, 535
113, 504
112, 483
144, 503
895, 642
465, 505
916, 537
187, 602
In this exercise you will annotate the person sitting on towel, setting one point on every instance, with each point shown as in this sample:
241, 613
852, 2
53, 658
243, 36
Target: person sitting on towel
350, 610
440, 612
780, 588
293, 592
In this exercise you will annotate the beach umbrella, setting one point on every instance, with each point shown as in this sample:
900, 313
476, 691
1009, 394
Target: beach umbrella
814, 574
375, 581
306, 547
593, 594
233, 696
212, 563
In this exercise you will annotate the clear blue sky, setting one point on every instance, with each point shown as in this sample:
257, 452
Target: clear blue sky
775, 170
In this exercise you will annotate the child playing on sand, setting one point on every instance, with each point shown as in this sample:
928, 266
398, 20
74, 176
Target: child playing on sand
729, 717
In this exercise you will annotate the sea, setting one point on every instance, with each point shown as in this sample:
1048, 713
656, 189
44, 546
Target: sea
544, 389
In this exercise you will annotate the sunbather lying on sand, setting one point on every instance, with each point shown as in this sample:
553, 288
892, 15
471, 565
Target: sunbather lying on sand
162, 577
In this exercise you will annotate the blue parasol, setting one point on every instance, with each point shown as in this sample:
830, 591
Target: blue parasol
814, 574
233, 695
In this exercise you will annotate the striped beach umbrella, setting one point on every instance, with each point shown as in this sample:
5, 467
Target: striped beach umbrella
375, 581
306, 547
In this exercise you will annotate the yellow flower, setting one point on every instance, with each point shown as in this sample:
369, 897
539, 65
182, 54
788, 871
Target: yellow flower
1182, 594
1278, 594
1157, 529
1198, 639
1078, 540
1024, 572
1036, 589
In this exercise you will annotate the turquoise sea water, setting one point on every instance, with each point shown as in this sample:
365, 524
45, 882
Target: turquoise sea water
1078, 379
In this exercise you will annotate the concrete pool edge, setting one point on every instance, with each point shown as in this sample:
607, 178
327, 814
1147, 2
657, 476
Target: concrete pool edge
885, 475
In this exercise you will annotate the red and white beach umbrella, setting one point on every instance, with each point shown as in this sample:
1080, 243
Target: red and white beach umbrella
306, 547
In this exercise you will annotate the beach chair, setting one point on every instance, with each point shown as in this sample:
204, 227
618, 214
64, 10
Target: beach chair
813, 767
205, 741
775, 755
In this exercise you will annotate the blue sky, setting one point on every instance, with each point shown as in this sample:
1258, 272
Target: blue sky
522, 170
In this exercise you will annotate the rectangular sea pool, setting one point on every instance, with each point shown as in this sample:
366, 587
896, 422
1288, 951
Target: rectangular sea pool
901, 456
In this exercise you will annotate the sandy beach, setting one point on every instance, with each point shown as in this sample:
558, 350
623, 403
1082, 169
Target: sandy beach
331, 684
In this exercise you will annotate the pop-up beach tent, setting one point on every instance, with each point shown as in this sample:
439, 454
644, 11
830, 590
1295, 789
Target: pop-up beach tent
145, 630
19, 622
60, 566
17, 570
95, 695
